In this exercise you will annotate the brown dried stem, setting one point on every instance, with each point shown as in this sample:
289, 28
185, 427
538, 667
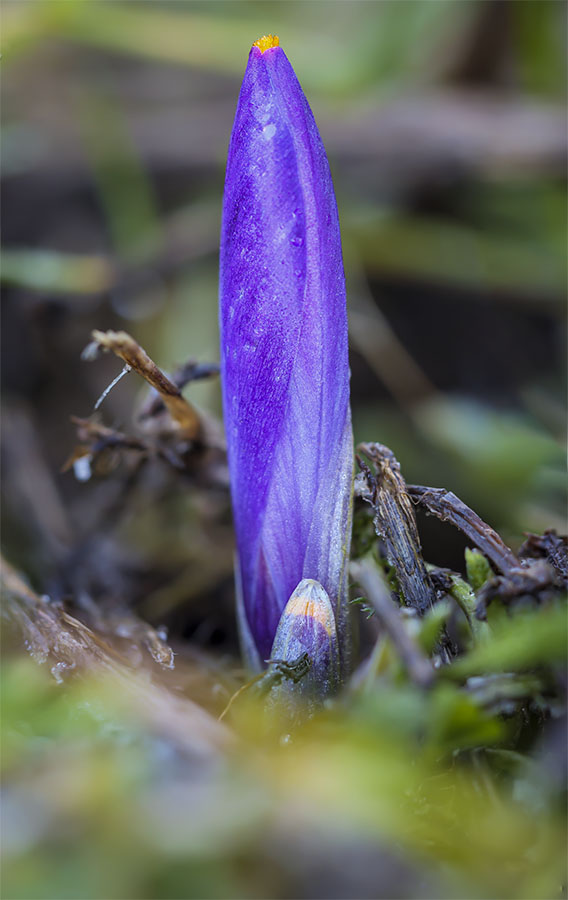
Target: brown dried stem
124, 346
449, 508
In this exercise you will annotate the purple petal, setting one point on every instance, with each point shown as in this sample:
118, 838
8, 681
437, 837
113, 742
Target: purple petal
283, 353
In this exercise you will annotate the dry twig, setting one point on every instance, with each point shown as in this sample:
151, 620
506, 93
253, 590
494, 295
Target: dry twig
449, 508
395, 523
124, 346
376, 592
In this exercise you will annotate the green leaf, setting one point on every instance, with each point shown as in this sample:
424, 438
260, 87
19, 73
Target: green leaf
477, 567
529, 639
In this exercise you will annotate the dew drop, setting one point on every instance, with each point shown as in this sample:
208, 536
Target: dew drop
59, 669
269, 131
297, 241
82, 468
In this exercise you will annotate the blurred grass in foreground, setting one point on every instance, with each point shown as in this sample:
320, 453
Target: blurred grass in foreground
96, 804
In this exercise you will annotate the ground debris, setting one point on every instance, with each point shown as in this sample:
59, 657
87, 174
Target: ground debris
550, 546
71, 648
171, 428
534, 583
48, 629
96, 440
148, 460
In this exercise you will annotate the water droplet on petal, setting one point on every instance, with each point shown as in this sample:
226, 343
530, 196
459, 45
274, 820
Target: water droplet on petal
269, 131
297, 241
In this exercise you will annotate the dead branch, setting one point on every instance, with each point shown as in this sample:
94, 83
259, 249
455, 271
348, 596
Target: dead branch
395, 523
535, 579
449, 508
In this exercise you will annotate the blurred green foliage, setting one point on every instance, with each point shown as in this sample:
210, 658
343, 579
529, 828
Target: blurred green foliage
97, 805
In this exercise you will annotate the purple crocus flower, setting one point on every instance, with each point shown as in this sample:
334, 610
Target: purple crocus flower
284, 362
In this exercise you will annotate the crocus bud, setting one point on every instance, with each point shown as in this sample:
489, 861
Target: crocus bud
307, 626
284, 363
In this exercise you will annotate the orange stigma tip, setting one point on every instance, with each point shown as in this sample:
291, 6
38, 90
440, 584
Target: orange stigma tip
267, 42
302, 605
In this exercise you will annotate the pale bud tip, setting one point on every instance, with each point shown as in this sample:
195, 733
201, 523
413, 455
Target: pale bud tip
267, 42
311, 601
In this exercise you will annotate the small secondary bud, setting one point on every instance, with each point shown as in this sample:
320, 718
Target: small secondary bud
307, 627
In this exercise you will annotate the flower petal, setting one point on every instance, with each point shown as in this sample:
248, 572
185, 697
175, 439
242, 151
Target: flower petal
284, 350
